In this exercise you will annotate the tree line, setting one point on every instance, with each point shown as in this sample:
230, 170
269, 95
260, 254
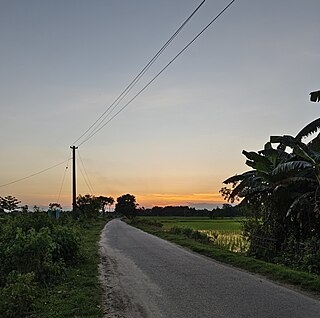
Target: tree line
227, 210
92, 206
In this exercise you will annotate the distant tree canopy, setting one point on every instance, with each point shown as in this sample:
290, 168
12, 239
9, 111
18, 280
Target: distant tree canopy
105, 203
227, 210
126, 205
9, 203
88, 206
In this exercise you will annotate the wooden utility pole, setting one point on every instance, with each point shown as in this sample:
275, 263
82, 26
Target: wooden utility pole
74, 182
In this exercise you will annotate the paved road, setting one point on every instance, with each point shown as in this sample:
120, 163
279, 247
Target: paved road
148, 277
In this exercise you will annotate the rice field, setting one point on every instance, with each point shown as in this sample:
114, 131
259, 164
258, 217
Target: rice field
202, 223
224, 233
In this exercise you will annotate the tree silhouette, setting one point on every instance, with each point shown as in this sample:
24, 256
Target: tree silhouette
88, 206
105, 202
127, 206
9, 203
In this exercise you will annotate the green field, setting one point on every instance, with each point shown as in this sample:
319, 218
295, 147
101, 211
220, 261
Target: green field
201, 223
224, 233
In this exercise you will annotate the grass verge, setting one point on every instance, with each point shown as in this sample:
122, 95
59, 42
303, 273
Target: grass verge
278, 273
79, 294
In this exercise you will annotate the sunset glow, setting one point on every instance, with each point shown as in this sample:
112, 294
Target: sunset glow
63, 64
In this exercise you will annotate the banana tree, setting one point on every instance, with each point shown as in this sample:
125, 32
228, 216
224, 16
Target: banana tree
284, 182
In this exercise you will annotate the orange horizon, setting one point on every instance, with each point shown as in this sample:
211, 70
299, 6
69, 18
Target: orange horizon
144, 200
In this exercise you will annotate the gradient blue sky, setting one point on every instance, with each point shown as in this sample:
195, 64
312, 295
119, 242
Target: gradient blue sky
63, 62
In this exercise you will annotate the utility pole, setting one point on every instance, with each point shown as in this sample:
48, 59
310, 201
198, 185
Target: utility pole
74, 182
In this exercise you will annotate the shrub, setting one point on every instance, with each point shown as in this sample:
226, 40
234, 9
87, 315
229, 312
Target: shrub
17, 297
198, 236
67, 244
35, 220
33, 252
303, 256
176, 230
187, 231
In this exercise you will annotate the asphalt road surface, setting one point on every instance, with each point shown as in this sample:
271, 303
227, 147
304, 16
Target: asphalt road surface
145, 276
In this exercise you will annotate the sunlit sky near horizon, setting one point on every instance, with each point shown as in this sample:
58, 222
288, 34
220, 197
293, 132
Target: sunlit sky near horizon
64, 62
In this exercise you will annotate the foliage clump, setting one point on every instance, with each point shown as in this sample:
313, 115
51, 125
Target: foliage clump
35, 251
190, 233
126, 205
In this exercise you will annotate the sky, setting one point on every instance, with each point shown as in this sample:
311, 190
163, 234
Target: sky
63, 63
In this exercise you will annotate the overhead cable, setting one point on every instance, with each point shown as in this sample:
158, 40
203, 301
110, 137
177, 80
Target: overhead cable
99, 121
158, 74
63, 178
85, 175
34, 174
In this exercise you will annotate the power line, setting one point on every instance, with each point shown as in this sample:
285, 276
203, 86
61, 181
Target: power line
89, 184
64, 176
158, 74
85, 180
116, 102
34, 174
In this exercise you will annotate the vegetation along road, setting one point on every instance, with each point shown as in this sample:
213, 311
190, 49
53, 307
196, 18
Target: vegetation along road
148, 277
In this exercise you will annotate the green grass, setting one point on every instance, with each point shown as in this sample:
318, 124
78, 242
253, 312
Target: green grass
200, 223
80, 293
279, 273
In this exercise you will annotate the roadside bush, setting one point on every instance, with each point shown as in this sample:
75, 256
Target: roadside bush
302, 256
67, 245
35, 220
176, 230
17, 297
187, 231
40, 245
201, 237
190, 233
311, 257
33, 252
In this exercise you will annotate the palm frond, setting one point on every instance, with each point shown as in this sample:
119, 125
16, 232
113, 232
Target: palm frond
309, 129
295, 180
284, 141
240, 177
299, 200
314, 144
257, 161
287, 167
303, 154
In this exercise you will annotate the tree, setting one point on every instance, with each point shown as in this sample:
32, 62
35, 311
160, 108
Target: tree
282, 190
37, 209
88, 206
126, 205
9, 203
105, 202
24, 209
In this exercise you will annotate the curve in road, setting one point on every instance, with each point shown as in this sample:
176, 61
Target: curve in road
146, 276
